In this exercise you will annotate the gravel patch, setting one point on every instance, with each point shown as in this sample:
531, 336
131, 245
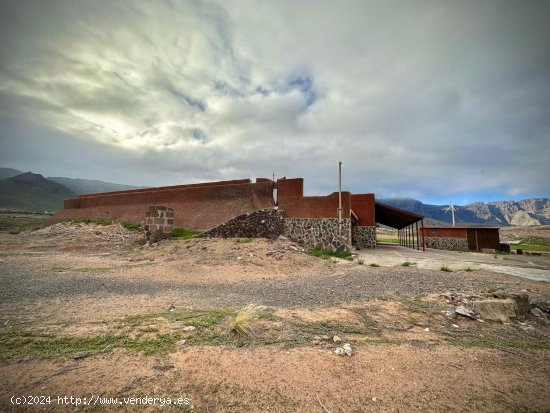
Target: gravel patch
21, 283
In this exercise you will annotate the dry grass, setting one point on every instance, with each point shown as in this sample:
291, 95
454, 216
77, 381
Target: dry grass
241, 325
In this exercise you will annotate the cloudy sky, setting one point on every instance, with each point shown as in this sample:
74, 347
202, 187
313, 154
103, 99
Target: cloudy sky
436, 100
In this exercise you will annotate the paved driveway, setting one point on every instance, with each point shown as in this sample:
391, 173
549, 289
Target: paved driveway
532, 267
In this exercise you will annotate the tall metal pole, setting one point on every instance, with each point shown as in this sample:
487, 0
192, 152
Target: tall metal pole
423, 240
340, 194
417, 236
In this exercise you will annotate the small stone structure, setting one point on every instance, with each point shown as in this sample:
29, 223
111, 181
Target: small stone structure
447, 243
319, 233
363, 237
264, 223
159, 221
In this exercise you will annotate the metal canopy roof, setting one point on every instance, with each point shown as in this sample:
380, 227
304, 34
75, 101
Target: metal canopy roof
394, 217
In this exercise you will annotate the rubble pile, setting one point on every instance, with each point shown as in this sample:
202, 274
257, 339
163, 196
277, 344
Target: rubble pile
78, 232
263, 223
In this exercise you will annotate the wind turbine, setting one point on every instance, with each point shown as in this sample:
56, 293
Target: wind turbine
452, 209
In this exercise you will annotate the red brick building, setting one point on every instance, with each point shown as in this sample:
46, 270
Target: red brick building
313, 220
461, 238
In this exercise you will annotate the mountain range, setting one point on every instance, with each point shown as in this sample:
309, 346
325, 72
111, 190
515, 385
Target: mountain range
32, 192
534, 211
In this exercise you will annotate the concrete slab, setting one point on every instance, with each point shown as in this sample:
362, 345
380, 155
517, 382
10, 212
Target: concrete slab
530, 267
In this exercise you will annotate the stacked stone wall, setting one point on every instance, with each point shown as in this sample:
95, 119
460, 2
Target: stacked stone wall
364, 237
321, 233
447, 243
264, 223
159, 221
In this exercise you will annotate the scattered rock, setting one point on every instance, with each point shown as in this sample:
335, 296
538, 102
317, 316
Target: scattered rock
336, 339
455, 325
341, 248
189, 328
325, 337
427, 329
374, 399
465, 312
538, 313
526, 327
542, 306
347, 349
340, 351
171, 308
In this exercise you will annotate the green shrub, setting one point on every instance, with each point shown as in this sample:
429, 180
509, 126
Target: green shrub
183, 233
131, 226
373, 264
326, 254
445, 269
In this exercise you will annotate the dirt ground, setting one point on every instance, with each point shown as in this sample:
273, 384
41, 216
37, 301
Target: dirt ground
517, 233
88, 311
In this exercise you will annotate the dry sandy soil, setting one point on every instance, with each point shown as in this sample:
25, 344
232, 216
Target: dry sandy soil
517, 233
85, 310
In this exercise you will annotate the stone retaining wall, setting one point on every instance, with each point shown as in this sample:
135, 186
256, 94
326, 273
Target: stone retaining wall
159, 221
364, 237
264, 223
319, 233
447, 243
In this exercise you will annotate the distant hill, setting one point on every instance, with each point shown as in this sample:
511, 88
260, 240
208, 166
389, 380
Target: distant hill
88, 186
535, 211
6, 173
32, 192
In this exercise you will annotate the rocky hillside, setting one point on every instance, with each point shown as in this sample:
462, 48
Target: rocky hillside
32, 192
535, 211
6, 173
89, 186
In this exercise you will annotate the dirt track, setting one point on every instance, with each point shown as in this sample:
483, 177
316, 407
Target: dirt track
62, 297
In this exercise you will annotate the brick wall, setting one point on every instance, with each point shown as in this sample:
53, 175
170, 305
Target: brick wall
295, 205
363, 206
444, 232
198, 207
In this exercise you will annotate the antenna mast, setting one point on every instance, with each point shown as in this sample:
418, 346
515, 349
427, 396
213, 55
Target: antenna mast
340, 194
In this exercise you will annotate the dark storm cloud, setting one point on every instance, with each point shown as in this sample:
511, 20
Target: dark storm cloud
422, 99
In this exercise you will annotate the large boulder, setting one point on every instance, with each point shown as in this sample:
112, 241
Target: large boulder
503, 306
